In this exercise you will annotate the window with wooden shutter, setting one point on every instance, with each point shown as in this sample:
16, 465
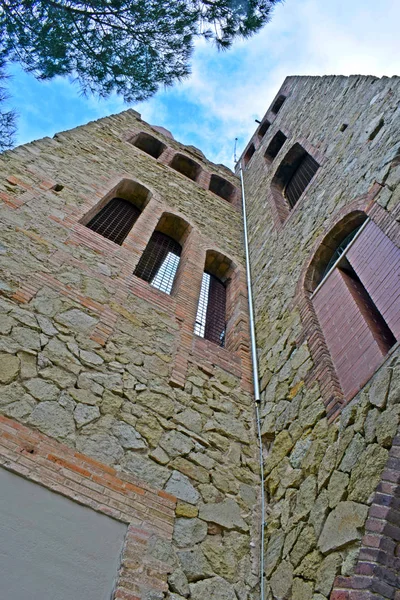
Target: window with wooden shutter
115, 220
300, 179
358, 304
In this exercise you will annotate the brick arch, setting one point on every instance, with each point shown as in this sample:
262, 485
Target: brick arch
377, 573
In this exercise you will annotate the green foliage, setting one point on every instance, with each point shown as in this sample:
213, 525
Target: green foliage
7, 118
126, 46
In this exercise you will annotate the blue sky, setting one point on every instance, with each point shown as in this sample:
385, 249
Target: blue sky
228, 90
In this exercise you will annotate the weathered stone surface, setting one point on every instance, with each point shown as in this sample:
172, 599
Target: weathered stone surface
274, 551
27, 338
178, 583
305, 543
102, 446
195, 472
186, 510
353, 453
337, 487
190, 419
84, 414
42, 390
77, 320
62, 378
52, 419
127, 436
327, 572
280, 448
302, 590
225, 552
188, 532
214, 588
282, 580
309, 565
144, 468
386, 426
226, 514
379, 389
9, 367
158, 403
179, 485
90, 358
229, 426
319, 512
84, 396
343, 525
194, 564
299, 452
366, 474
176, 443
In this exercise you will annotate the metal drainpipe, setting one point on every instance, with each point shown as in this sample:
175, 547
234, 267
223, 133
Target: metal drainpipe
257, 398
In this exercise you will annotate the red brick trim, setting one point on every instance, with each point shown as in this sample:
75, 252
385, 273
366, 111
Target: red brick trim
377, 573
323, 370
59, 468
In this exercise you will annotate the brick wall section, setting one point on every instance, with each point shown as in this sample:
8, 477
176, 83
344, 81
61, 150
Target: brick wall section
149, 514
377, 574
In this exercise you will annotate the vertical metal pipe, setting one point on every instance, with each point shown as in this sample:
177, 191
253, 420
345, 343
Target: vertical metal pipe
255, 380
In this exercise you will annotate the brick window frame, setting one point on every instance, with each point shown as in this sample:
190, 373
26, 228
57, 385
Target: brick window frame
149, 513
148, 143
223, 188
186, 166
176, 228
127, 189
323, 370
281, 209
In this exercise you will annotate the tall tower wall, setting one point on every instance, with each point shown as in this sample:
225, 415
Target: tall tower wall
330, 405
108, 397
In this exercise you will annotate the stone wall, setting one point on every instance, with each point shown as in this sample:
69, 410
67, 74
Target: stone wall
97, 359
323, 458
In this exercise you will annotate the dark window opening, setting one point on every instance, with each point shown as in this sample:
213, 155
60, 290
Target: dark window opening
375, 321
299, 180
222, 187
263, 129
340, 250
149, 144
186, 166
249, 153
115, 220
211, 312
159, 262
277, 105
275, 146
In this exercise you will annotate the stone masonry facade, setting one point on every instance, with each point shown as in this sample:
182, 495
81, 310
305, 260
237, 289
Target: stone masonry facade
107, 396
106, 366
332, 473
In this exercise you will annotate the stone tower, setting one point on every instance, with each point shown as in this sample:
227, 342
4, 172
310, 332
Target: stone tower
109, 397
321, 177
130, 460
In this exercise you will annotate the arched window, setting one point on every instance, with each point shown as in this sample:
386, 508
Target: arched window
115, 215
222, 187
262, 130
185, 165
277, 105
211, 310
291, 179
249, 153
274, 146
357, 299
149, 144
159, 263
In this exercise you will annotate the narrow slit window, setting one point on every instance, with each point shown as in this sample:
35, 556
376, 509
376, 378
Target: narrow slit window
277, 105
211, 312
275, 146
159, 262
115, 220
263, 129
300, 179
249, 153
